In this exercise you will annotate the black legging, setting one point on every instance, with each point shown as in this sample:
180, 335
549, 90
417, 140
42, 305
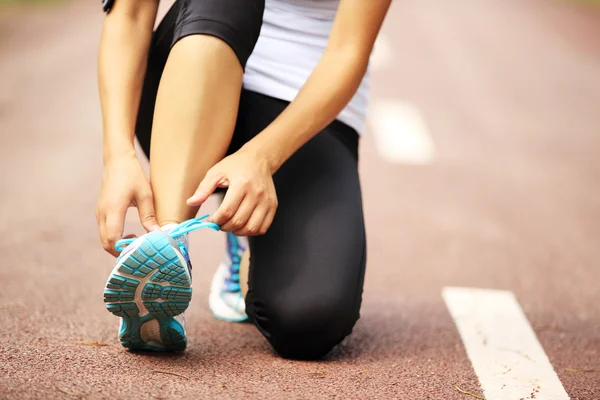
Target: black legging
307, 271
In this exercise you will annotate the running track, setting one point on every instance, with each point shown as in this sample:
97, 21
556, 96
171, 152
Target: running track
494, 185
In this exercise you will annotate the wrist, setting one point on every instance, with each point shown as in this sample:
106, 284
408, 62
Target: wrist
265, 153
117, 143
115, 153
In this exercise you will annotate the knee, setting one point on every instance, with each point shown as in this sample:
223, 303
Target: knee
235, 23
306, 328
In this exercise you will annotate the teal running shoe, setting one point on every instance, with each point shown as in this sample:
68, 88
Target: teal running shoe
226, 300
151, 286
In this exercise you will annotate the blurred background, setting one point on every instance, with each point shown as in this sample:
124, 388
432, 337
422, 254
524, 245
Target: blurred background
481, 168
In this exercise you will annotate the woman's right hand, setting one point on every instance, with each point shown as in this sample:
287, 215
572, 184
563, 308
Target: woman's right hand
124, 184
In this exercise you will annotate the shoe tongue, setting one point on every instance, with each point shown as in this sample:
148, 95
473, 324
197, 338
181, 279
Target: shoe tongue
181, 240
236, 246
243, 240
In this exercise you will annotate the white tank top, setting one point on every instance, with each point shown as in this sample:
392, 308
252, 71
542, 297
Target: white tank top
292, 40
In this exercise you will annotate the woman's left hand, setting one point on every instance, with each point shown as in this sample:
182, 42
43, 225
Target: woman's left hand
250, 203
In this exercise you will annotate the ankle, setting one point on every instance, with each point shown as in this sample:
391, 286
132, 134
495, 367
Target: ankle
166, 222
168, 226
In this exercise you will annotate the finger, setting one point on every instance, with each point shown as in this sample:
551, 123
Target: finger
145, 206
255, 222
268, 220
211, 181
101, 218
241, 216
229, 207
114, 228
106, 244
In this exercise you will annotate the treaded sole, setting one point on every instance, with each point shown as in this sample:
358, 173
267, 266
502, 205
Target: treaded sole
150, 283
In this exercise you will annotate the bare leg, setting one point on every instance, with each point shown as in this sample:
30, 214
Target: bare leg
195, 114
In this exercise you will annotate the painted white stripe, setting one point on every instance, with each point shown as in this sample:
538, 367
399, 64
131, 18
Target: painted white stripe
400, 133
506, 355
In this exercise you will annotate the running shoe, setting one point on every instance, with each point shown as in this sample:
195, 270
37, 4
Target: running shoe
226, 300
151, 286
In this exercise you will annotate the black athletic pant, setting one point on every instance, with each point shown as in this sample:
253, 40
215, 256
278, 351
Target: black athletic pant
307, 271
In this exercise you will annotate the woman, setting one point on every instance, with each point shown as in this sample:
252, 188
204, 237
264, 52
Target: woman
282, 138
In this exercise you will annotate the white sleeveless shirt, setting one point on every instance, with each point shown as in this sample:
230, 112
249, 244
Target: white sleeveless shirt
292, 40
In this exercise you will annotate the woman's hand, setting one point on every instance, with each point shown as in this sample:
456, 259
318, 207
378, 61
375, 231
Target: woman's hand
250, 203
124, 184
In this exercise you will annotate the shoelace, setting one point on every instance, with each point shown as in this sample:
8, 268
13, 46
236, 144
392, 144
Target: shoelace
180, 230
232, 282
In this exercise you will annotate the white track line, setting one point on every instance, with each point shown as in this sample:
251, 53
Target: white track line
400, 132
506, 355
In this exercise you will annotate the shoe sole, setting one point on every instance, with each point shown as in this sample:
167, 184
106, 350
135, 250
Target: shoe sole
150, 283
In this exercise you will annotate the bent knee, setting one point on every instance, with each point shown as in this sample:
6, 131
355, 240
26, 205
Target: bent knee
306, 328
235, 23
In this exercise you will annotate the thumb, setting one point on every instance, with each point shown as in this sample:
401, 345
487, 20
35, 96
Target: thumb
145, 206
211, 181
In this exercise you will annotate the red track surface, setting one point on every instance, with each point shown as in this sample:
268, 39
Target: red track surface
511, 93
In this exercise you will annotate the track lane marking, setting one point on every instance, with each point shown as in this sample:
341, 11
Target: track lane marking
400, 132
503, 348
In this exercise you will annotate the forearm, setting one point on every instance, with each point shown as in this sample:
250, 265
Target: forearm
328, 90
122, 58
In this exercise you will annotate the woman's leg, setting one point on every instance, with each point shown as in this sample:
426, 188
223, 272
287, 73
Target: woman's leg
191, 96
306, 273
195, 115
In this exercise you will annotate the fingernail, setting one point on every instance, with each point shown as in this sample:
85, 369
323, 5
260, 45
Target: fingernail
156, 228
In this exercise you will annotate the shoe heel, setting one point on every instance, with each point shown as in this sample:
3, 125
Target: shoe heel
151, 281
